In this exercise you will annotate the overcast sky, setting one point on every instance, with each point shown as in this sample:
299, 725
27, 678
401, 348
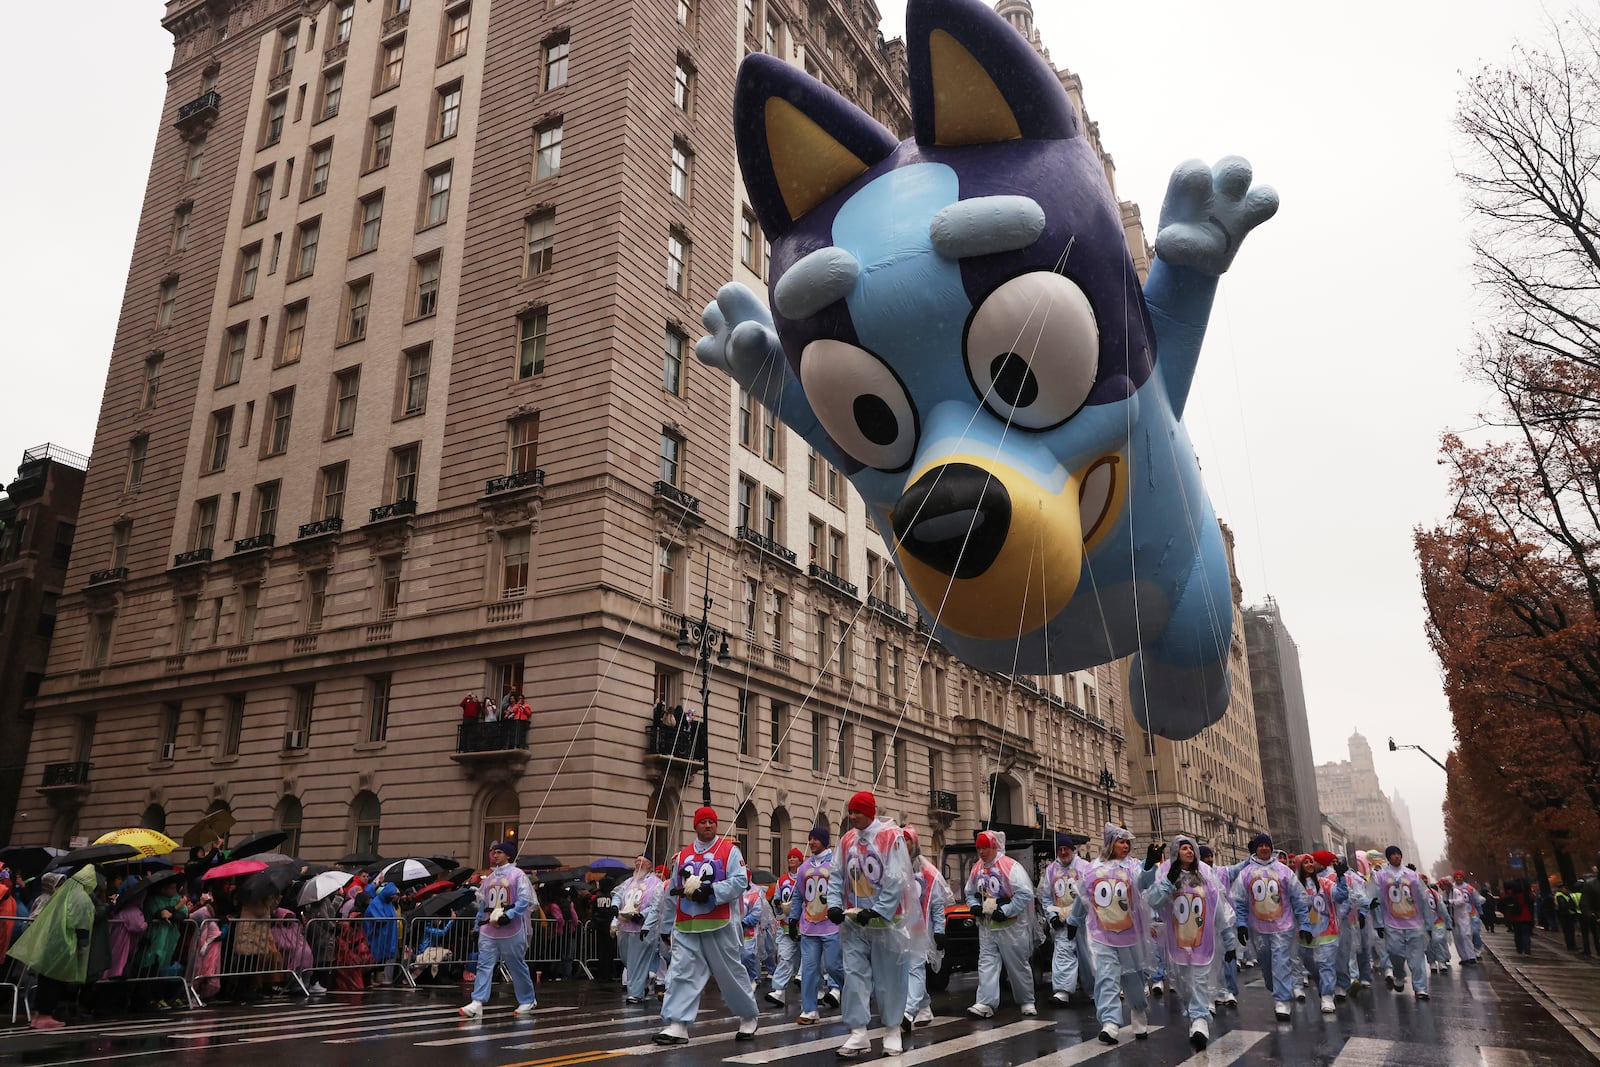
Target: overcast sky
1333, 362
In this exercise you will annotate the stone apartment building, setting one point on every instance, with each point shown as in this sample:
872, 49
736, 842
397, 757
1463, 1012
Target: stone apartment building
1283, 733
402, 406
1349, 791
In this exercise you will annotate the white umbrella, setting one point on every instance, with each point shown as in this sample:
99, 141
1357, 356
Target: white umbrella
323, 884
412, 870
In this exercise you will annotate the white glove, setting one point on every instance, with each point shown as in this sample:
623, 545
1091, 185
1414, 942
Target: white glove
690, 884
494, 916
851, 913
989, 905
1062, 912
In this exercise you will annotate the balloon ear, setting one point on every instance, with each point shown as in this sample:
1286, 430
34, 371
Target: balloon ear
799, 141
975, 80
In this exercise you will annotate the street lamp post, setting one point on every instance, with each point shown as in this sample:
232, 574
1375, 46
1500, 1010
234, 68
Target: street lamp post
1107, 782
1395, 748
696, 639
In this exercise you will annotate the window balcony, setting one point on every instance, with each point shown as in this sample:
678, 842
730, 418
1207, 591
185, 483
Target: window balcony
253, 544
943, 802
766, 544
507, 483
108, 576
321, 528
827, 577
672, 494
498, 736
26, 488
398, 509
886, 608
197, 115
190, 558
678, 741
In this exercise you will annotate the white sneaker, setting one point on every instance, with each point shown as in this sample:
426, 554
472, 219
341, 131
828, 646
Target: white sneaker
1061, 996
1141, 1025
831, 998
316, 989
981, 1011
1029, 1011
1230, 999
857, 1044
525, 1009
471, 1010
1399, 987
674, 1034
923, 1017
809, 1018
1199, 1034
1300, 993
1327, 1005
892, 1043
1280, 1008
747, 1029
776, 997
1108, 1033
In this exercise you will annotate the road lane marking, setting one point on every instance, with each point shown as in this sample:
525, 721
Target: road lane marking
444, 1016
1364, 1052
1082, 1052
787, 1052
1226, 1048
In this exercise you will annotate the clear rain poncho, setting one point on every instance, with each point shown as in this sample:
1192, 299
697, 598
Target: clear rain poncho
872, 869
56, 942
1196, 918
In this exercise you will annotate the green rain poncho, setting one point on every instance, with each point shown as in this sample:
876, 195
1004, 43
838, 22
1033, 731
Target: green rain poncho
52, 944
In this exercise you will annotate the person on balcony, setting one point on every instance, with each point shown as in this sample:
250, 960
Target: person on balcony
470, 706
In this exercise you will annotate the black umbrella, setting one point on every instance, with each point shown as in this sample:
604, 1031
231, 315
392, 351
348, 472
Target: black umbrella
272, 882
566, 874
144, 885
256, 843
445, 862
360, 859
94, 854
763, 878
443, 902
458, 876
28, 862
537, 862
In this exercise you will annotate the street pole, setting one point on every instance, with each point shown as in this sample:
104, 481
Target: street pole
699, 644
1108, 783
1395, 748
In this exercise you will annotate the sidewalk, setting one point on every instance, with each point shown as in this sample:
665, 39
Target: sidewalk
1561, 981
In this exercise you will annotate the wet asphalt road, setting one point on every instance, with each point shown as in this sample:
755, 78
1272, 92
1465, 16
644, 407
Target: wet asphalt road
1477, 1016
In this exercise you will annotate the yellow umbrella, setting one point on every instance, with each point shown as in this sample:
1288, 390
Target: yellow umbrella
149, 842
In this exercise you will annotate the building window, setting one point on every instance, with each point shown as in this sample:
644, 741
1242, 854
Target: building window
294, 333
513, 564
671, 457
524, 438
836, 485
152, 380
180, 227
261, 194
547, 157
233, 354
847, 741
455, 31
814, 536
555, 62
769, 38
541, 243
232, 723
437, 208
683, 85
99, 639
380, 140
389, 587
205, 523
272, 130
780, 620
378, 708
357, 298
332, 91
686, 14
168, 303
672, 362
819, 737
282, 417
197, 157
446, 111
266, 509
836, 553
415, 401
321, 164
394, 57
121, 533
288, 818
371, 222
846, 667
747, 736
249, 270
366, 812
682, 160
746, 504
221, 431
425, 301
778, 728
288, 43
307, 235
531, 330
677, 263
771, 515
331, 492
403, 461
316, 599
752, 598
667, 556
188, 611
750, 242
305, 705
771, 438
344, 18
347, 384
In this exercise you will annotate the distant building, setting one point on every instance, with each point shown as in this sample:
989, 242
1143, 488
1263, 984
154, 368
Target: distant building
1288, 776
1350, 792
1407, 839
1335, 838
38, 522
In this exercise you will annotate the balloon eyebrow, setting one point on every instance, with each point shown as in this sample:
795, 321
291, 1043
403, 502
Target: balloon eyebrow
985, 225
817, 280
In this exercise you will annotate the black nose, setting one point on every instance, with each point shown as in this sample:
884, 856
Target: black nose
954, 519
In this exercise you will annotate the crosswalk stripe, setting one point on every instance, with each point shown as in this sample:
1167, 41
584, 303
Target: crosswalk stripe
1079, 1053
1364, 1052
1506, 1057
482, 1034
261, 1028
1226, 1048
204, 1016
715, 1039
439, 1018
914, 1056
786, 1052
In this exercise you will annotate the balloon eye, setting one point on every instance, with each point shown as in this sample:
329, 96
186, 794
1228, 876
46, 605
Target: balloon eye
859, 401
1033, 350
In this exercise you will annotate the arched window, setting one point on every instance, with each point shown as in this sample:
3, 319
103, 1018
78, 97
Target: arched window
778, 846
661, 827
501, 819
287, 818
366, 812
154, 818
746, 834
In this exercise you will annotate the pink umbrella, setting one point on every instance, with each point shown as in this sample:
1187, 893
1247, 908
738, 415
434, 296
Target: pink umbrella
233, 869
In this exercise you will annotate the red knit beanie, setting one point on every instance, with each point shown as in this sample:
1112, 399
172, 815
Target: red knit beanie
796, 854
706, 812
1324, 858
865, 803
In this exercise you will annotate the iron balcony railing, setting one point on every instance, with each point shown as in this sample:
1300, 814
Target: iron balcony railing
201, 110
107, 576
505, 735
59, 774
321, 526
196, 555
883, 606
253, 544
507, 482
668, 491
765, 543
393, 511
679, 741
827, 577
943, 800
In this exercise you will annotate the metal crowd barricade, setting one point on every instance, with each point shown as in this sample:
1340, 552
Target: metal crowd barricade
140, 966
440, 946
249, 948
346, 945
551, 942
13, 975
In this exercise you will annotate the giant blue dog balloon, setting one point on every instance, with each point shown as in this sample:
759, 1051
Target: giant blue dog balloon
957, 324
